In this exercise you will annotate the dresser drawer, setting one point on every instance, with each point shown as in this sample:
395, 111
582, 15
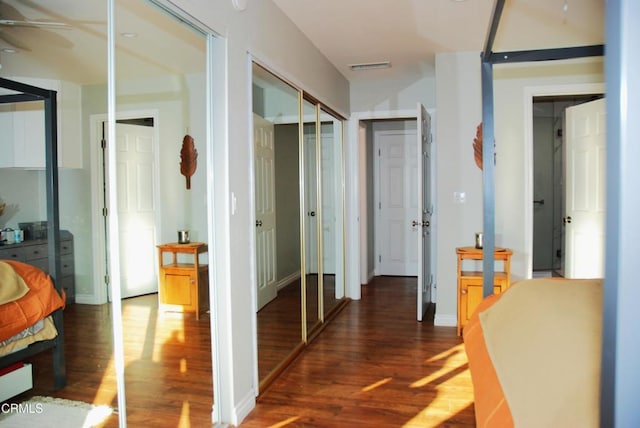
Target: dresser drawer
34, 252
66, 265
12, 253
66, 247
42, 264
68, 285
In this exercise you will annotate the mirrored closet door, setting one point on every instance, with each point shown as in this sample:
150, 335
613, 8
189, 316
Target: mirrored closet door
332, 231
312, 221
160, 152
299, 232
276, 152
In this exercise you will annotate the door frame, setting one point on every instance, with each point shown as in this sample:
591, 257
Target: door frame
97, 219
356, 242
530, 93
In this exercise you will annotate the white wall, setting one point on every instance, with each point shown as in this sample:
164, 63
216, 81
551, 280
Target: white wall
513, 159
263, 31
392, 95
458, 96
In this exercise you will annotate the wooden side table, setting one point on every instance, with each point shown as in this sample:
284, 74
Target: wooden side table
183, 287
470, 282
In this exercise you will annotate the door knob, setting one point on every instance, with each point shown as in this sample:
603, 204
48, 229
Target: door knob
258, 223
312, 213
566, 220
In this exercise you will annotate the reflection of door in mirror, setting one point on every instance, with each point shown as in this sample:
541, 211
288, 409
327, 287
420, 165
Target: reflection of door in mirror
312, 265
277, 207
265, 207
332, 210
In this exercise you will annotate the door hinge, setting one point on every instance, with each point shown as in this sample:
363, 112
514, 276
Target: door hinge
106, 279
379, 153
379, 205
379, 258
105, 212
103, 143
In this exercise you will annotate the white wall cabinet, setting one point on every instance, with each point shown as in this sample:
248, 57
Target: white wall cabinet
22, 139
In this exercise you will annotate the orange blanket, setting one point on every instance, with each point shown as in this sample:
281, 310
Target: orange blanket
41, 300
491, 408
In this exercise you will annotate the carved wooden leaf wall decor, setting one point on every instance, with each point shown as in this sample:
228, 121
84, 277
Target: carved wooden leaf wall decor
477, 146
188, 158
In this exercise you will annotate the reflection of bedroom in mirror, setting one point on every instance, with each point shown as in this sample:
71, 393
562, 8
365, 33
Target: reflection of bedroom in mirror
162, 336
160, 73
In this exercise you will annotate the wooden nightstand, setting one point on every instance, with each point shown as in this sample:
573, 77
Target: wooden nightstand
470, 281
183, 287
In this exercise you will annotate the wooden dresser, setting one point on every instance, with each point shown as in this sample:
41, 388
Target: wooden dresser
470, 280
183, 285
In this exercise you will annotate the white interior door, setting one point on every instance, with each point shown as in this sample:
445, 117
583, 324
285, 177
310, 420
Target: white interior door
265, 207
136, 178
585, 196
330, 201
311, 200
396, 237
424, 211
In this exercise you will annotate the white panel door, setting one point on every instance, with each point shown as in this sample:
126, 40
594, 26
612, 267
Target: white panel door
424, 211
396, 238
136, 170
330, 200
311, 200
585, 195
265, 207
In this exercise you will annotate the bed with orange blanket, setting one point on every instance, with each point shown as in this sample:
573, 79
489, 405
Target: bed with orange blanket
534, 354
30, 313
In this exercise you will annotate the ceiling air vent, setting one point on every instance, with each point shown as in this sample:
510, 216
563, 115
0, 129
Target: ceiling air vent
370, 66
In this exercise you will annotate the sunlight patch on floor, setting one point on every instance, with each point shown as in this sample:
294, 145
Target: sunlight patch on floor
286, 422
451, 352
376, 384
106, 392
185, 420
428, 379
442, 407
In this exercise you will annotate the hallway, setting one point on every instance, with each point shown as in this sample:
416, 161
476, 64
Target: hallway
374, 365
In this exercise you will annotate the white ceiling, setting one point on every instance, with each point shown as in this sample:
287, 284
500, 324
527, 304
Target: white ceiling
408, 33
78, 53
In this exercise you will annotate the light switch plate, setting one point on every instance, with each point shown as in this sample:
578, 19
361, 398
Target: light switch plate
459, 197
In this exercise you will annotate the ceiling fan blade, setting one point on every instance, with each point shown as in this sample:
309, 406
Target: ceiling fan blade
13, 41
39, 24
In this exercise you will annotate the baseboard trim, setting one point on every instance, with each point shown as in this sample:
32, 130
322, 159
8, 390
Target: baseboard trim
287, 280
87, 299
445, 320
244, 407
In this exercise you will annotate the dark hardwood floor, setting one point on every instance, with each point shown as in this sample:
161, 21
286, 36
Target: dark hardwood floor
168, 373
374, 365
